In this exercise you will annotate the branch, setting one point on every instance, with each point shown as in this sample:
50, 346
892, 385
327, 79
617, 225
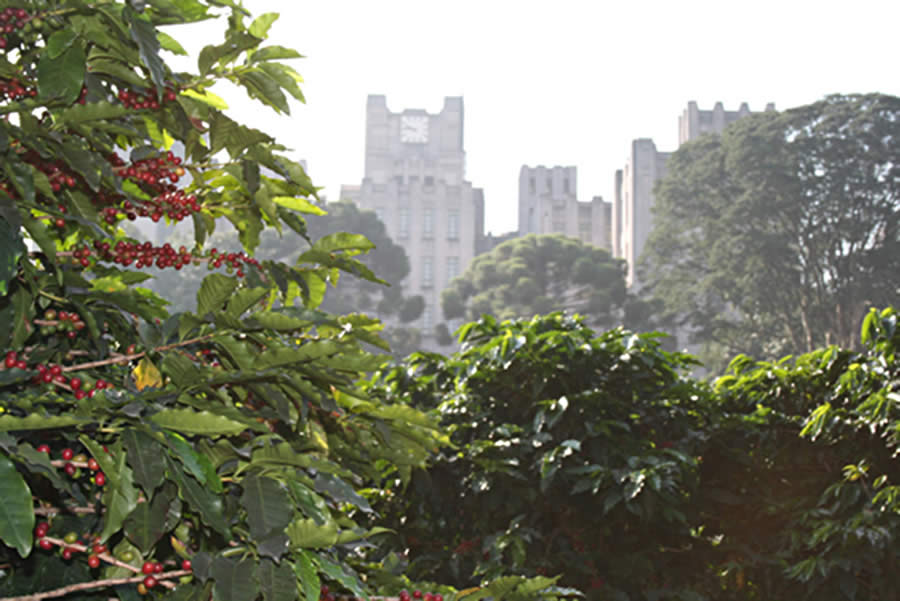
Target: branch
127, 358
85, 586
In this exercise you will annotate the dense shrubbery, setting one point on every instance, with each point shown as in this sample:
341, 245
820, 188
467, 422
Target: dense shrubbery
593, 456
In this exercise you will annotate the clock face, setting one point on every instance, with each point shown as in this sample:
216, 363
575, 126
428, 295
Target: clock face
414, 129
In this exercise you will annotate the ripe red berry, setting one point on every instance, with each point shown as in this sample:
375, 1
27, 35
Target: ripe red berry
417, 594
67, 454
94, 561
11, 359
158, 568
147, 568
43, 449
55, 370
323, 590
93, 465
150, 581
75, 383
40, 531
45, 544
99, 548
100, 479
67, 553
21, 364
70, 469
186, 565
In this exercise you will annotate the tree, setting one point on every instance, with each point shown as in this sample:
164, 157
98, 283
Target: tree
537, 274
779, 235
216, 452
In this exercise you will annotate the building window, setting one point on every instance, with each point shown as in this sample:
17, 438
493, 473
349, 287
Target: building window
531, 185
398, 179
413, 180
427, 272
403, 223
549, 184
428, 223
427, 319
559, 227
452, 268
429, 180
382, 214
566, 185
453, 224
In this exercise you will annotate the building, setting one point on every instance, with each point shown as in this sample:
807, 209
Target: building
548, 204
632, 218
415, 181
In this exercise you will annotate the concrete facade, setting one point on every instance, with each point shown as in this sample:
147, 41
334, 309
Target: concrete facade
632, 218
415, 181
548, 204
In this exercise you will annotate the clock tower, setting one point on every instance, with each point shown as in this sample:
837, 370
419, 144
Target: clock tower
415, 181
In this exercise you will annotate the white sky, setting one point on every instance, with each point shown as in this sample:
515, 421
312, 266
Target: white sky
569, 82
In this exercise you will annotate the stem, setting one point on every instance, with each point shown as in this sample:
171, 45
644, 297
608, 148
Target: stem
127, 358
85, 586
85, 549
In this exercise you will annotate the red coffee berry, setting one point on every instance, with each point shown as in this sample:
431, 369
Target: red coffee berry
150, 581
158, 568
99, 548
94, 561
67, 454
100, 479
417, 594
70, 469
186, 565
21, 364
43, 449
40, 531
93, 465
45, 544
67, 553
147, 568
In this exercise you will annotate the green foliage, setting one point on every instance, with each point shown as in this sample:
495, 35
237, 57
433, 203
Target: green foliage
222, 433
537, 274
376, 268
779, 235
590, 457
571, 451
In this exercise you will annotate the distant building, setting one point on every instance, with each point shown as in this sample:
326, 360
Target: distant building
548, 205
415, 181
632, 219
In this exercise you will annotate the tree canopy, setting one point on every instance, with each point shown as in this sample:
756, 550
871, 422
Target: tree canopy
779, 235
538, 274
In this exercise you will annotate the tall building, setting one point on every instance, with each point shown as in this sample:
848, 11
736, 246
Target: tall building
415, 181
548, 204
632, 219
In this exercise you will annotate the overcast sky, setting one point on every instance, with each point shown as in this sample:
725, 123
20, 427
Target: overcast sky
556, 83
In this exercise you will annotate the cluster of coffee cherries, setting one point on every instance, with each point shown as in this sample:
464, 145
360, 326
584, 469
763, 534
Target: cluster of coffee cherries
98, 552
11, 20
231, 260
143, 254
157, 172
13, 89
53, 374
175, 205
72, 464
68, 323
148, 99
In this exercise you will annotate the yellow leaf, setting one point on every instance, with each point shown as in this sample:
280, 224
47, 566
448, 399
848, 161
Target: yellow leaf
146, 375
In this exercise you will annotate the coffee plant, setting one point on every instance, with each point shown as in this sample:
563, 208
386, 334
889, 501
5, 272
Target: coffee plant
225, 451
